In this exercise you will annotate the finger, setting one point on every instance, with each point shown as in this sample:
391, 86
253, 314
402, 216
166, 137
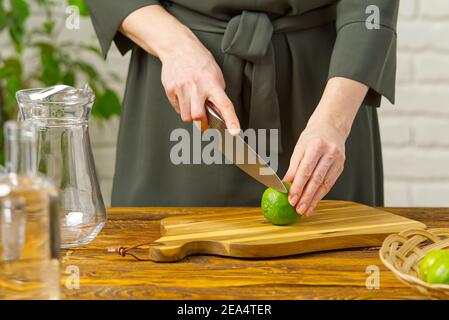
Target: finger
296, 157
172, 98
321, 192
314, 183
221, 101
198, 111
184, 105
329, 182
305, 169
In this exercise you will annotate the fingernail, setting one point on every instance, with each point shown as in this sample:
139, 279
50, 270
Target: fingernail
234, 129
293, 199
302, 209
309, 212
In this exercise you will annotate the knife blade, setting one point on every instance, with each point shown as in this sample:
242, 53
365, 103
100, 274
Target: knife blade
242, 155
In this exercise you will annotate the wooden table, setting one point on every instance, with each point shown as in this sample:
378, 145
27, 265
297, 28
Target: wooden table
325, 275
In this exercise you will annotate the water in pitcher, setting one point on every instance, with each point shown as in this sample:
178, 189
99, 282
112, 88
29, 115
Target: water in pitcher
29, 231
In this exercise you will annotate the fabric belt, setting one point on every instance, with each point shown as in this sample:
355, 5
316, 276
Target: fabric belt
249, 56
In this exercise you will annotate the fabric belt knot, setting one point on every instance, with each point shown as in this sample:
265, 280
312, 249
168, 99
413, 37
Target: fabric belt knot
248, 36
249, 70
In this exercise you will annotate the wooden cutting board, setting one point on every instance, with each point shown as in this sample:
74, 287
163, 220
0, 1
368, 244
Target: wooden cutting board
244, 233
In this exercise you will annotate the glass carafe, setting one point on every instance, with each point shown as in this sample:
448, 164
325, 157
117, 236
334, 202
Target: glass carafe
64, 155
29, 222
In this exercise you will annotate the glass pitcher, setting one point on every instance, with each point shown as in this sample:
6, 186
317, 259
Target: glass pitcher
64, 155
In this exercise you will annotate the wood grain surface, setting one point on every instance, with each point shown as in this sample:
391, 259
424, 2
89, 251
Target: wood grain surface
326, 275
245, 233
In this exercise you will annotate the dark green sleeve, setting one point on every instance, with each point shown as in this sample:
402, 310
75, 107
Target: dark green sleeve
107, 15
366, 55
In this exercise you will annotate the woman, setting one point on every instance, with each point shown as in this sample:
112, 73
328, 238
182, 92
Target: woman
315, 70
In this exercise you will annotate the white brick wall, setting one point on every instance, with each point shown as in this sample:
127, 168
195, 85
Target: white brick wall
431, 9
415, 132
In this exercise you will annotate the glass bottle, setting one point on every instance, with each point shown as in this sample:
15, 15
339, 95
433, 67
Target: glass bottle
64, 155
29, 222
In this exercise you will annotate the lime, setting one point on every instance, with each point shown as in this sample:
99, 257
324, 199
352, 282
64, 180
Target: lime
439, 271
426, 263
276, 208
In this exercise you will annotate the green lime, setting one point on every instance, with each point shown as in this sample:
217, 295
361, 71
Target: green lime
429, 259
276, 208
439, 271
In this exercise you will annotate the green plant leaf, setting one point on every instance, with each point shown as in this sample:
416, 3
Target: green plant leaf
69, 78
46, 3
20, 9
51, 73
16, 19
107, 105
81, 4
95, 50
88, 69
13, 84
11, 66
2, 15
49, 26
16, 33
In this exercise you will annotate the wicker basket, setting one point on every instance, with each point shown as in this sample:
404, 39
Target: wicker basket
401, 253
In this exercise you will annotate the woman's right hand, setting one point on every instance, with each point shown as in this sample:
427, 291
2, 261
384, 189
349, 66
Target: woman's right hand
190, 74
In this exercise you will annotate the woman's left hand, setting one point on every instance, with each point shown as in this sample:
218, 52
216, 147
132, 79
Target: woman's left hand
316, 163
319, 155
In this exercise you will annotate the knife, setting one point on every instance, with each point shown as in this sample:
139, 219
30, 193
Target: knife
252, 163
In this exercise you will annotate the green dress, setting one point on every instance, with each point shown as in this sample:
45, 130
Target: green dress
276, 56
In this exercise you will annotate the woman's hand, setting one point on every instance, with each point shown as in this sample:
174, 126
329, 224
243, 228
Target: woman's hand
319, 156
190, 74
316, 163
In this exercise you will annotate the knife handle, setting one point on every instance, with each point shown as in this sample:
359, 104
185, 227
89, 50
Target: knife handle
214, 119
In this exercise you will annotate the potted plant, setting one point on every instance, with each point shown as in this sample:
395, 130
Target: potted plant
52, 61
